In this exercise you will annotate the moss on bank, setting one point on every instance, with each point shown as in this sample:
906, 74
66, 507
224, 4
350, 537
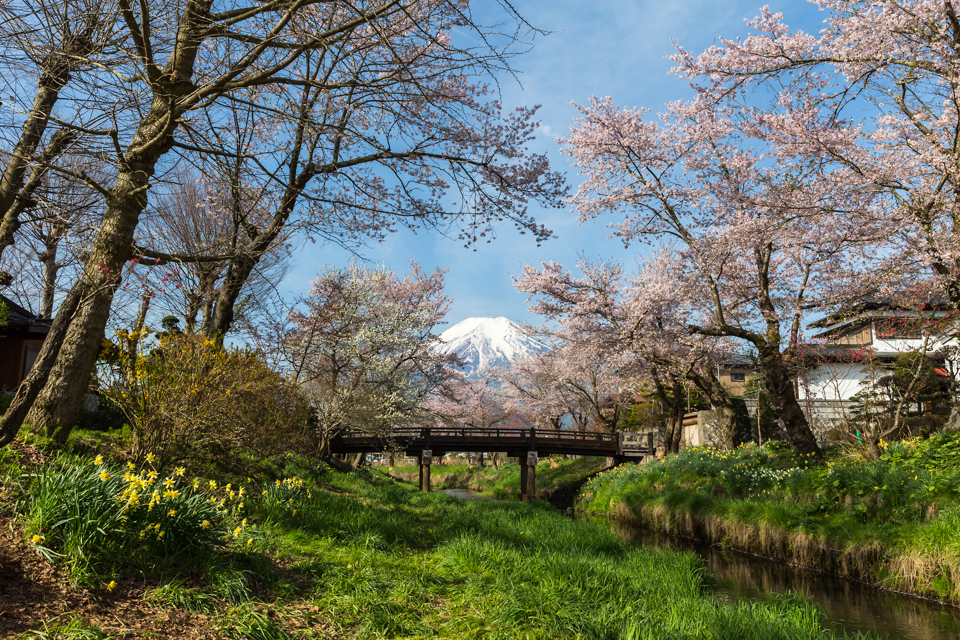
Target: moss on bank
894, 522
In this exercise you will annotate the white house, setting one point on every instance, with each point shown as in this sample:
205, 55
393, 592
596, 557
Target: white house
862, 343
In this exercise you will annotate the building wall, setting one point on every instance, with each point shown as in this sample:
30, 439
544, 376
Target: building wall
734, 387
833, 381
856, 336
13, 354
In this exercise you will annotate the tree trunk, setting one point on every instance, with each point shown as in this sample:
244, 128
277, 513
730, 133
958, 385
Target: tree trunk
58, 405
29, 389
57, 408
133, 342
779, 385
57, 70
724, 414
223, 310
673, 433
50, 269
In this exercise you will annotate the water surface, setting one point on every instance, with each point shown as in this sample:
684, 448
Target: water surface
851, 606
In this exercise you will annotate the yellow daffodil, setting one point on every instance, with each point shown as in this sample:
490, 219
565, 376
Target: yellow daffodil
112, 585
37, 539
98, 460
150, 457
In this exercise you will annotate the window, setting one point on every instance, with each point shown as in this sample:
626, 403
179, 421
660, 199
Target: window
738, 377
31, 358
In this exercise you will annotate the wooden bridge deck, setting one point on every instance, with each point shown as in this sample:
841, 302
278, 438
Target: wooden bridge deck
515, 442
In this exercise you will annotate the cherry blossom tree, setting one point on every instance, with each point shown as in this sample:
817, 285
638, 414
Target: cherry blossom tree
757, 220
375, 114
891, 68
642, 332
479, 403
530, 386
363, 347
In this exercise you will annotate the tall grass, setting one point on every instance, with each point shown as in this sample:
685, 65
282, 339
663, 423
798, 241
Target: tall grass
382, 561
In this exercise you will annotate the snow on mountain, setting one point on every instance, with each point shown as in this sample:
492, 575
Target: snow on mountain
484, 343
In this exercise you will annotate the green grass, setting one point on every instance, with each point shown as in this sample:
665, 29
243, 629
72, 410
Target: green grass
75, 629
896, 519
380, 560
326, 554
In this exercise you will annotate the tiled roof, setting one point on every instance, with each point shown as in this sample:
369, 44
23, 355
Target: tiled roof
19, 317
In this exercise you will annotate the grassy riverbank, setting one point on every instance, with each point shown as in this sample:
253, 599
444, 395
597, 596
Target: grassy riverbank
503, 483
303, 551
895, 521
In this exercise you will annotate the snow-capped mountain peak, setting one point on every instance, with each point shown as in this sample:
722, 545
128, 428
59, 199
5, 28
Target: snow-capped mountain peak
485, 343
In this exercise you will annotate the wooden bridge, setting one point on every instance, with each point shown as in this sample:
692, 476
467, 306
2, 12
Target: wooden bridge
525, 444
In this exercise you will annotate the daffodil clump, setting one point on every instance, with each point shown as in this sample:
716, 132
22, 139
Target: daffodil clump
94, 515
284, 496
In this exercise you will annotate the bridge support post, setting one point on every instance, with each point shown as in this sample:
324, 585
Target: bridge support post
528, 476
426, 459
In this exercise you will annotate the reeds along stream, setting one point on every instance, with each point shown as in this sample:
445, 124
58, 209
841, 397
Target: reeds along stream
849, 605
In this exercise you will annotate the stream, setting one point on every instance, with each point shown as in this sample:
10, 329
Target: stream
849, 606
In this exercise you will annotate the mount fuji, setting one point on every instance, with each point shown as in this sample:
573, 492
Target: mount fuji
485, 343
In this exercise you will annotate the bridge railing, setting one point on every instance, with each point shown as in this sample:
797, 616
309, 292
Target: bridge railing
488, 432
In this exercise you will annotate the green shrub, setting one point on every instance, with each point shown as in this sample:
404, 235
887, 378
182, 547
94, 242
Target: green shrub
191, 397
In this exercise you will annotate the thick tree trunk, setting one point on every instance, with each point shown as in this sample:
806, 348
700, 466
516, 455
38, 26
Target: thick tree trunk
779, 385
673, 434
58, 405
223, 310
724, 415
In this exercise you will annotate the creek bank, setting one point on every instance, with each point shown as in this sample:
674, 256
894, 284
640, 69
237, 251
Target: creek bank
866, 565
893, 523
359, 555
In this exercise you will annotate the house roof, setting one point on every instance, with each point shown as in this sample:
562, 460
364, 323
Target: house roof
20, 318
874, 306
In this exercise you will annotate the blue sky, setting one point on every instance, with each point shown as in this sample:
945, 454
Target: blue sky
605, 47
